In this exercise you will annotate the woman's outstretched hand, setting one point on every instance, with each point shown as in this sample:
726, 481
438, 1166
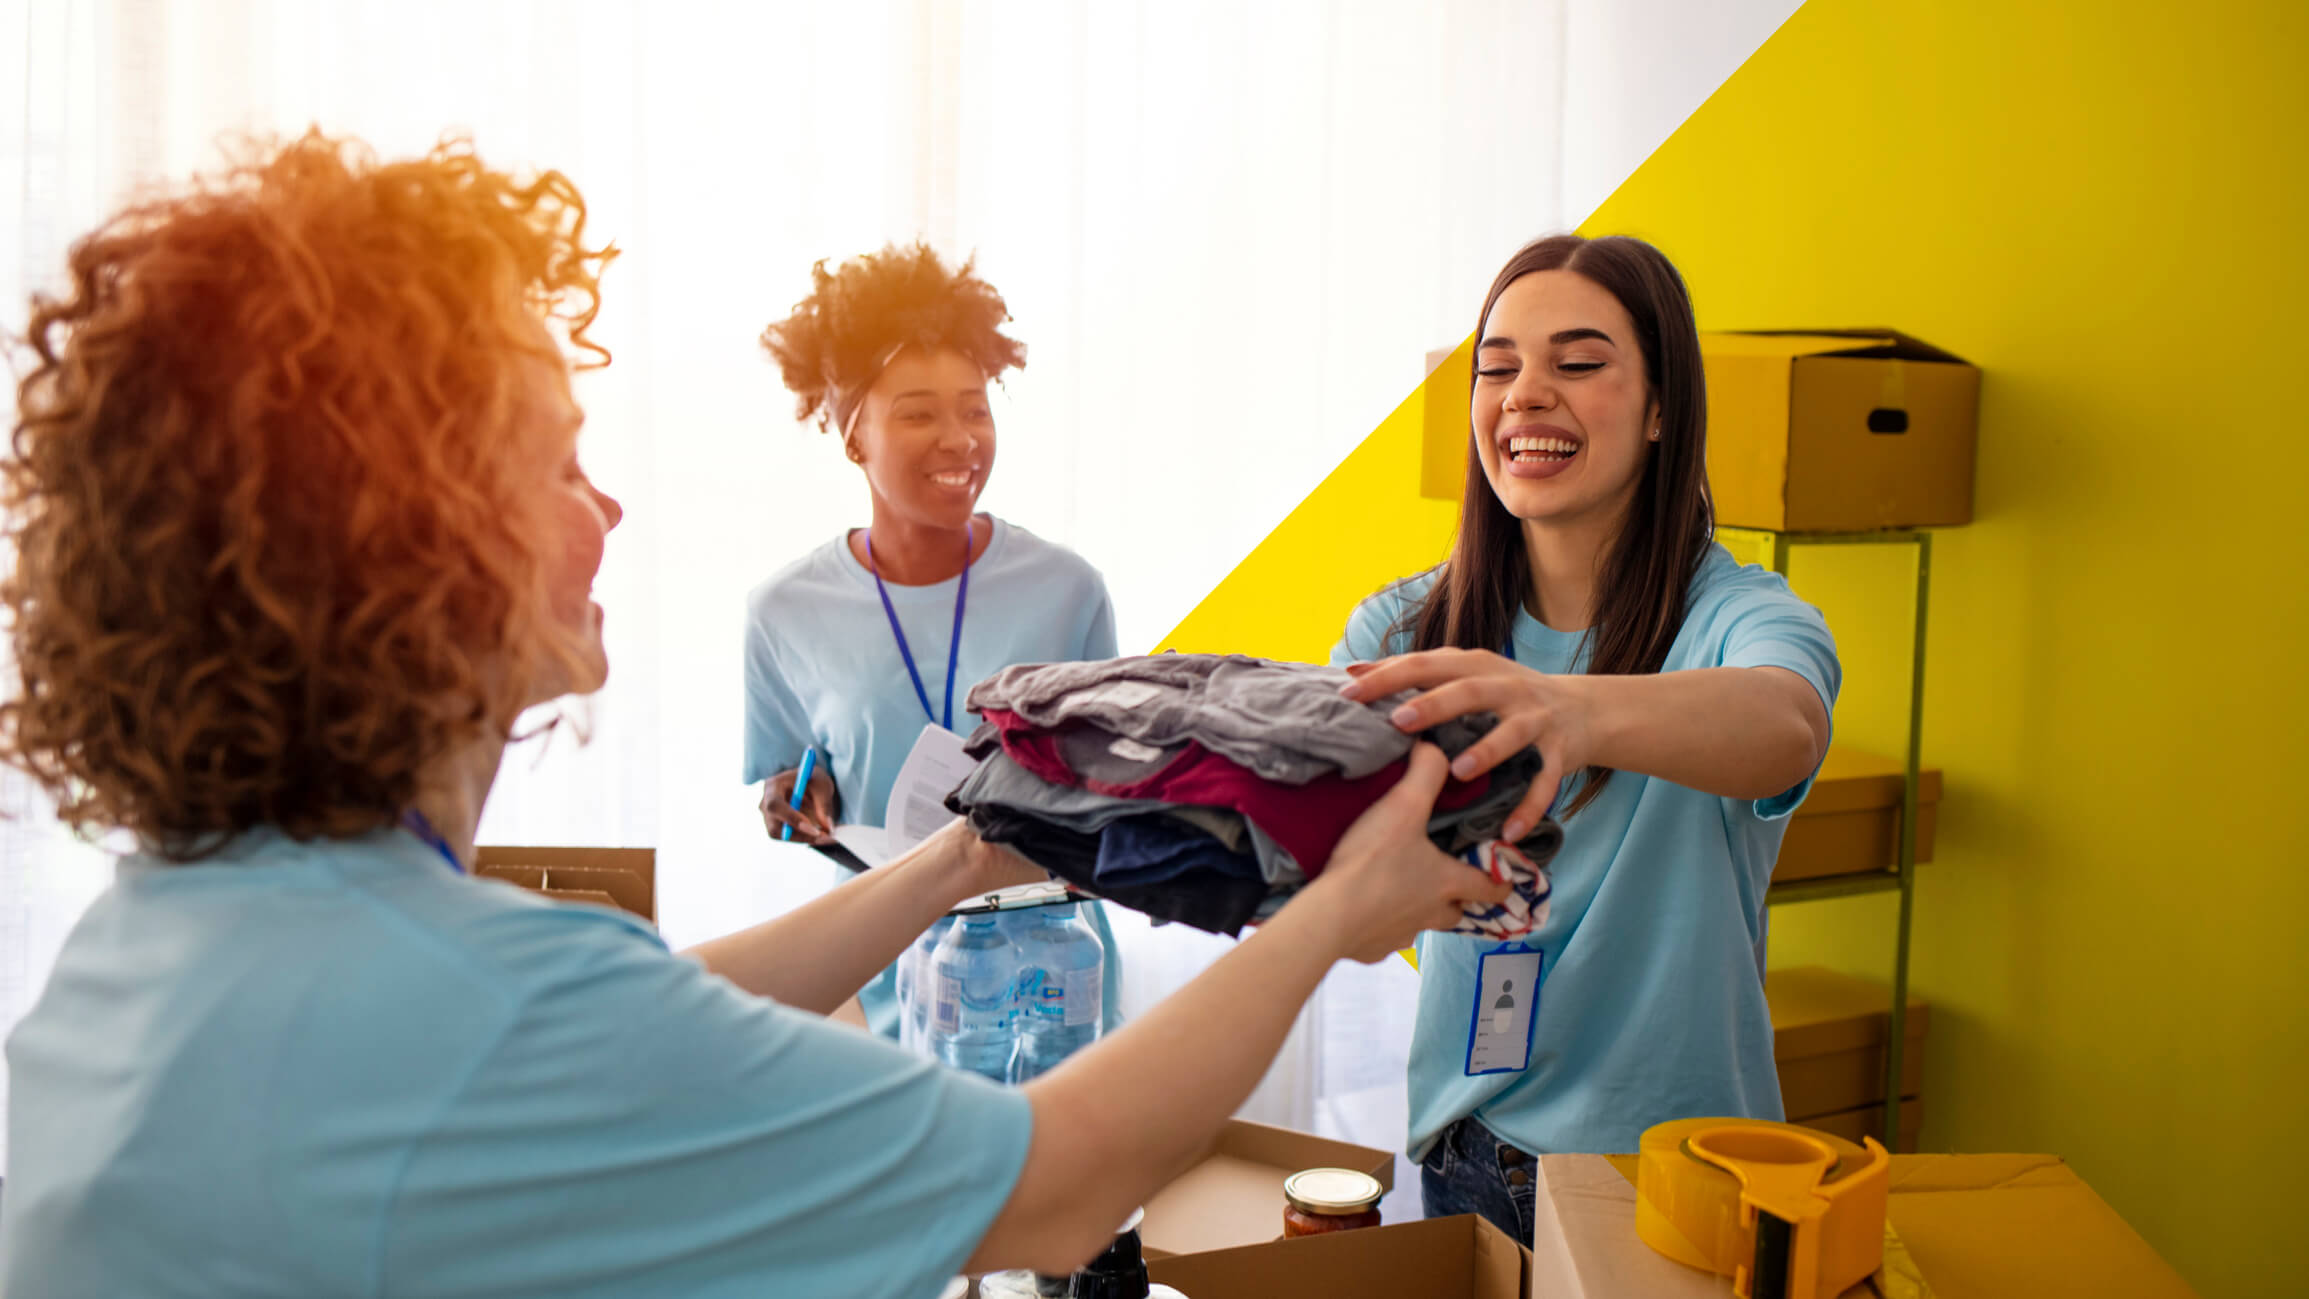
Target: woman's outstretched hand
1386, 882
1550, 713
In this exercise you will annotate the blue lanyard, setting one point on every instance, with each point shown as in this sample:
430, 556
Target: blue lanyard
954, 650
415, 823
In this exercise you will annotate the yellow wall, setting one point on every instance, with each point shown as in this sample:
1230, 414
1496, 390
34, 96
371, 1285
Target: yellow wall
2102, 205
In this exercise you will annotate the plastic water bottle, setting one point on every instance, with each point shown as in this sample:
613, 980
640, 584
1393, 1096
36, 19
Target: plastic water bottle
1061, 990
916, 993
973, 974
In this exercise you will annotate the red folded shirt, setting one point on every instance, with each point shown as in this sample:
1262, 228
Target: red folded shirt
1306, 821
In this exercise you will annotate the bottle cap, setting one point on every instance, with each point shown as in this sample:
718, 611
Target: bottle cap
1120, 1272
1332, 1191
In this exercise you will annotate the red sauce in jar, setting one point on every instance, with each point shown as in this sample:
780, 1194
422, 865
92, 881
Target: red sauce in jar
1320, 1200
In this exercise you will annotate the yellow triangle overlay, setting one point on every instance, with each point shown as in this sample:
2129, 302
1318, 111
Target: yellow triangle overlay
1362, 527
2096, 203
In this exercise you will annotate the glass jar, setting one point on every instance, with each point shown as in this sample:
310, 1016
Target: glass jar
1319, 1200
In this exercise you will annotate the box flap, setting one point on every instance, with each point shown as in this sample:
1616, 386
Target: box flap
590, 897
1986, 1225
1817, 1010
1873, 344
628, 876
1929, 1173
2019, 1225
1460, 1257
1852, 781
630, 890
1234, 1195
1584, 1243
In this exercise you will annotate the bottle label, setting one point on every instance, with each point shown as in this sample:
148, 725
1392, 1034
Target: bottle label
949, 1004
1081, 1002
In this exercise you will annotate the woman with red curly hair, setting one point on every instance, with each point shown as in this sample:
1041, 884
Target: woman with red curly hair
854, 648
298, 531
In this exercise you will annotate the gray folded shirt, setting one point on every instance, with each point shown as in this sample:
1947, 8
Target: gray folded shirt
1284, 722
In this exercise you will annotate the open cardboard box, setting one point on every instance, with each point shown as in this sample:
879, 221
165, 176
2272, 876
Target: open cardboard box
1984, 1226
1850, 822
1234, 1194
1437, 1258
624, 878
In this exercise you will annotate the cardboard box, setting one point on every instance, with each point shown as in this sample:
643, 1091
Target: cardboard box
1828, 1036
1850, 822
1463, 1257
1972, 1227
1234, 1194
1839, 431
625, 878
1868, 1121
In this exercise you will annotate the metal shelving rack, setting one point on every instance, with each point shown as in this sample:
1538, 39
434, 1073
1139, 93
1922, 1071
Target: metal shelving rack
1902, 877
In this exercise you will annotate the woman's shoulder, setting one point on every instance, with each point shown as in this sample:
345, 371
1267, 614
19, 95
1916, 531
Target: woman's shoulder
1371, 626
1726, 594
817, 572
1724, 583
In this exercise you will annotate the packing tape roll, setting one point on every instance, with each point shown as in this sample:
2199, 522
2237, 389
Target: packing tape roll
1708, 1190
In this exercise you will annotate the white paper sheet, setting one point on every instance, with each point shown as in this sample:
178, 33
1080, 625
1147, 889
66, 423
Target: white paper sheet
918, 797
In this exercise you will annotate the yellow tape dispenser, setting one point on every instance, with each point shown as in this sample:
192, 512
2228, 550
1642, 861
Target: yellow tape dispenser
1786, 1212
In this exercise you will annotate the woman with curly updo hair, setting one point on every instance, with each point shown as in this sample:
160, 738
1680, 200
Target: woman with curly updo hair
854, 648
298, 531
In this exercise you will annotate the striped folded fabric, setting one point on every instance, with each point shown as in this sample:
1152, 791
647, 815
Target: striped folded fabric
1524, 910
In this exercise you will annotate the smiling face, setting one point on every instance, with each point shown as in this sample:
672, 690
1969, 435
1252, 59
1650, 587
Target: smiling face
579, 515
925, 436
1563, 413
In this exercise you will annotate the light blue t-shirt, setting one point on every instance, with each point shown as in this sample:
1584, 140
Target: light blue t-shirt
823, 670
1651, 999
342, 1069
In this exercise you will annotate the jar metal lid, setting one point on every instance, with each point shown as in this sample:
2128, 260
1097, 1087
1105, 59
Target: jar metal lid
1332, 1191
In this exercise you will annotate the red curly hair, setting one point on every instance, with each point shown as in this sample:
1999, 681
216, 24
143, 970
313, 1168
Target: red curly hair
272, 492
837, 340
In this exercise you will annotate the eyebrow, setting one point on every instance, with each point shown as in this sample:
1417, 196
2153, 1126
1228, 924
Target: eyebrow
1560, 336
932, 392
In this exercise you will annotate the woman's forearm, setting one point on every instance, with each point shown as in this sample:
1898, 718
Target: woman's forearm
1117, 1122
1734, 732
817, 956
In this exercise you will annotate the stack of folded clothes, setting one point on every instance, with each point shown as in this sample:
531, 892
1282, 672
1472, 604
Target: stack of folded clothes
1207, 788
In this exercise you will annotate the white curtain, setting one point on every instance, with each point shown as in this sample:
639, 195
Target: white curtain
1228, 232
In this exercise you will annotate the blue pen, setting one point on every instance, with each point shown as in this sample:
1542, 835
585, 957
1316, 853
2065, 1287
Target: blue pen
801, 787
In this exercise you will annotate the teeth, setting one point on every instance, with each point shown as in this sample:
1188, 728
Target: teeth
959, 478
1548, 446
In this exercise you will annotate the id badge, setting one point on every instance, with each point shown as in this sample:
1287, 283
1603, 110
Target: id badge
1506, 1009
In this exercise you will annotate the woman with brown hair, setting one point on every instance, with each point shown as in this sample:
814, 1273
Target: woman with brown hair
299, 530
853, 649
1679, 701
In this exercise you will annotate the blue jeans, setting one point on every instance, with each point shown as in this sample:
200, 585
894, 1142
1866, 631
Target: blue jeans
1471, 1171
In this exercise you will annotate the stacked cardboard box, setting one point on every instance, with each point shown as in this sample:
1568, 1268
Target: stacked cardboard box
1839, 431
1850, 822
1828, 1036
